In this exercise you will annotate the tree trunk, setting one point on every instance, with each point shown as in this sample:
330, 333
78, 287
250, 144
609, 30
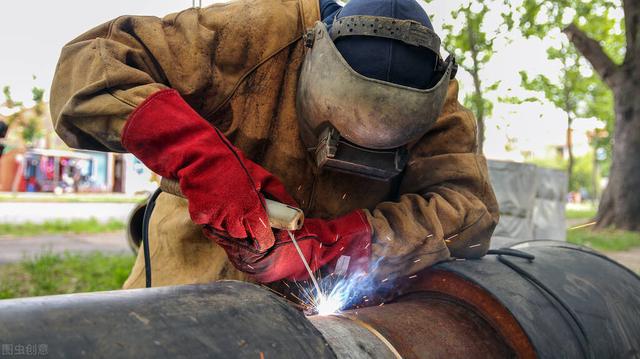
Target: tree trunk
481, 126
594, 175
478, 99
620, 205
571, 161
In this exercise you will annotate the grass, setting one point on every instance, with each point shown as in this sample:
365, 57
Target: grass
586, 213
50, 274
60, 226
604, 240
70, 198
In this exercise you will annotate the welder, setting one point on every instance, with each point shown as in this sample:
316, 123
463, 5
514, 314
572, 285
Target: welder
349, 113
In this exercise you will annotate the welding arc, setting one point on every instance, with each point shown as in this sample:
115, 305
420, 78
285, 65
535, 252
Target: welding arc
306, 265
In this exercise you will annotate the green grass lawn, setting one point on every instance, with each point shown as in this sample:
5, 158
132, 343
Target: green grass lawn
60, 226
62, 274
74, 198
587, 213
604, 240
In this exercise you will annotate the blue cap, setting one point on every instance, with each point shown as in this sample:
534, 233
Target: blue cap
380, 58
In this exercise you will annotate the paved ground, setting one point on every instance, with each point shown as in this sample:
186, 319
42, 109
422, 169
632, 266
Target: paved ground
630, 258
38, 212
15, 249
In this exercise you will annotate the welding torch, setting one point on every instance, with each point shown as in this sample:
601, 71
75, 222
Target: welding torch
281, 216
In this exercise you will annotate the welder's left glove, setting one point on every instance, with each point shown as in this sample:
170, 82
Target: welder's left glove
225, 189
341, 246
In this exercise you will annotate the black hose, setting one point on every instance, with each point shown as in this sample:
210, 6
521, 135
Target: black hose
151, 203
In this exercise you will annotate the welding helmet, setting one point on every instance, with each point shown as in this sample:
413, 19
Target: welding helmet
361, 124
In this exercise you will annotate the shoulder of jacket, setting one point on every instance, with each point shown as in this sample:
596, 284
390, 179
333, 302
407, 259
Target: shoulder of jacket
249, 33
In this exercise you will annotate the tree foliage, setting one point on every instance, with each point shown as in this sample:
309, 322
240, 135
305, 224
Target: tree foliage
607, 34
601, 19
604, 22
578, 92
471, 38
26, 121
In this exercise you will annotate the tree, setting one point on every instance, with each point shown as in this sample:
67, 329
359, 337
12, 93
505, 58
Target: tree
472, 40
610, 41
28, 122
576, 94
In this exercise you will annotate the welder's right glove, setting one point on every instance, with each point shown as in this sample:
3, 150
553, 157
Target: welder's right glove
341, 246
225, 189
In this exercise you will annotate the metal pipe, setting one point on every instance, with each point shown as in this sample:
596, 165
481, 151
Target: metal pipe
416, 326
235, 319
555, 300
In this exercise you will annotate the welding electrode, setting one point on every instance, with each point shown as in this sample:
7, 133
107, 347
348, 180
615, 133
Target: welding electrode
306, 265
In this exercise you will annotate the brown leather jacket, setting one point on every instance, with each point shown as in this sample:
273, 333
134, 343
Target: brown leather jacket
237, 64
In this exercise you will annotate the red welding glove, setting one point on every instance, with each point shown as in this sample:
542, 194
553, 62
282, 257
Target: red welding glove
224, 189
343, 245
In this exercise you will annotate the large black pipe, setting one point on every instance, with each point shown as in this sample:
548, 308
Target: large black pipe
223, 320
548, 300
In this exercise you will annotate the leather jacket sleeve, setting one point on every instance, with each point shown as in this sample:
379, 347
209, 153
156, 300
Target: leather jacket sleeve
446, 205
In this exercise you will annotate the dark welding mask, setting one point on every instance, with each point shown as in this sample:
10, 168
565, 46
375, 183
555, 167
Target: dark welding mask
361, 125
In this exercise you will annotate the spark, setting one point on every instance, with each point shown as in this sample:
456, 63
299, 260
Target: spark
475, 245
249, 265
389, 239
582, 226
298, 298
381, 304
413, 276
344, 196
367, 246
454, 236
336, 292
299, 188
320, 245
261, 221
384, 280
417, 260
341, 249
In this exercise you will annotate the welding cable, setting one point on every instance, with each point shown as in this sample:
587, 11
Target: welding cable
554, 299
151, 203
512, 252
